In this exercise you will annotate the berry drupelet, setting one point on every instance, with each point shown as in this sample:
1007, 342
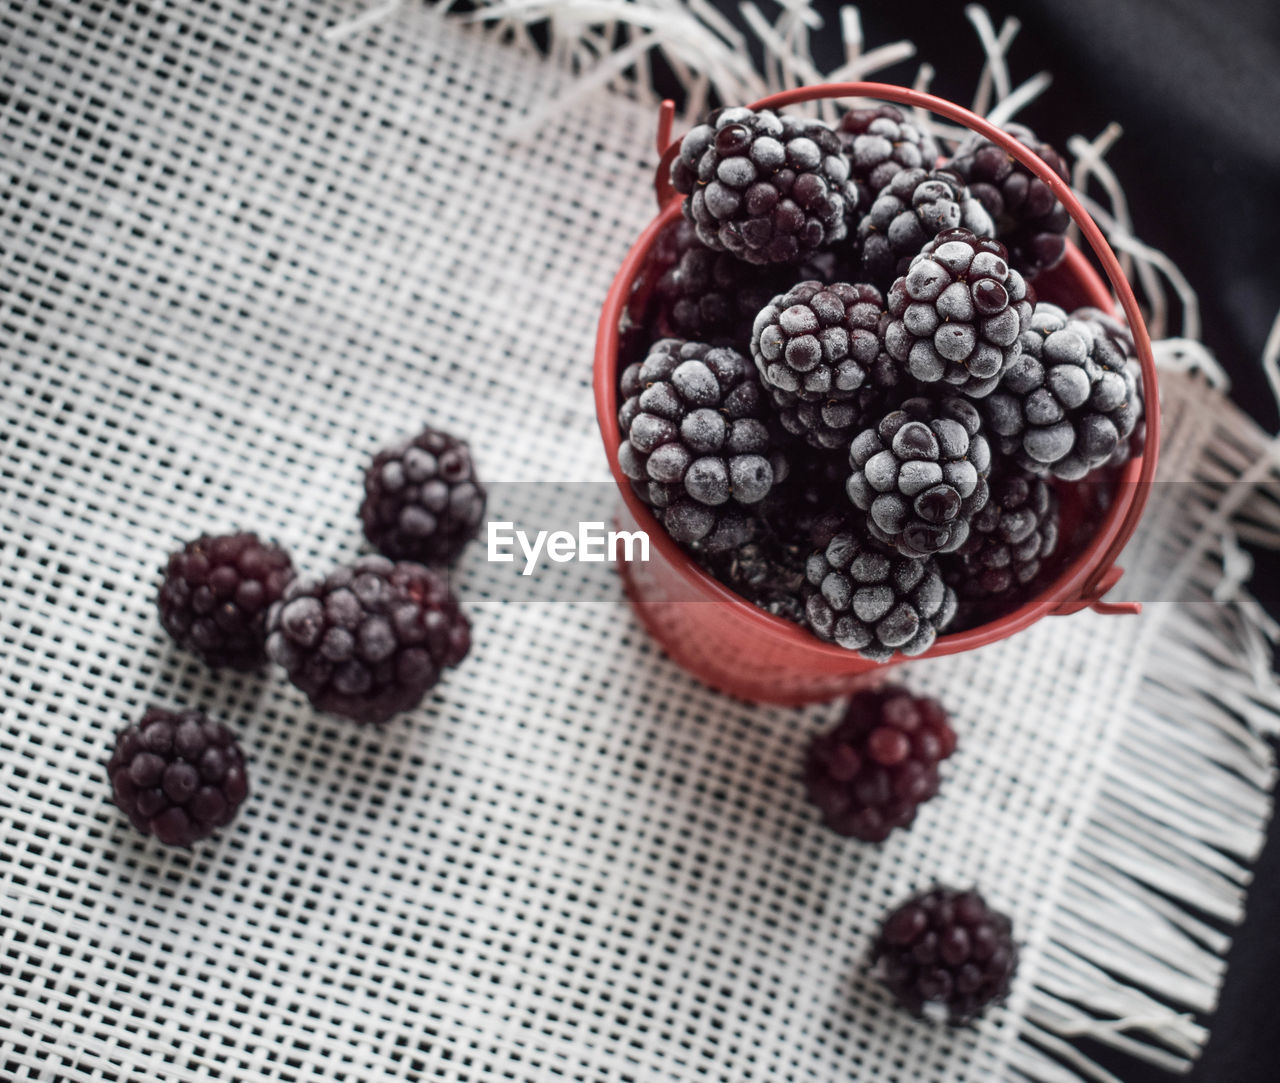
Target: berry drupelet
215, 596
765, 187
920, 475
422, 499
177, 775
695, 444
871, 772
875, 602
946, 955
957, 313
370, 639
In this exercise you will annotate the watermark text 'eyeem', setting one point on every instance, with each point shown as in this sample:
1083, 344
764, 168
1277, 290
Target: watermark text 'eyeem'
592, 544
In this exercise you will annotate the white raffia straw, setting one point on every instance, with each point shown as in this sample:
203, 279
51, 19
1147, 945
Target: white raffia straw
1089, 155
995, 72
349, 29
1271, 357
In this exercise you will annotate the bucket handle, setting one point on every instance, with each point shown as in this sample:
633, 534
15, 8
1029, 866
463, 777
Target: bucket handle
1107, 573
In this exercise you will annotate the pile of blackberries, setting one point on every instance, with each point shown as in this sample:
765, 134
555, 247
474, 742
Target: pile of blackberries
896, 344
366, 641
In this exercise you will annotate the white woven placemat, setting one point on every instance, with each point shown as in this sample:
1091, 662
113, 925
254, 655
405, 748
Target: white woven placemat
238, 257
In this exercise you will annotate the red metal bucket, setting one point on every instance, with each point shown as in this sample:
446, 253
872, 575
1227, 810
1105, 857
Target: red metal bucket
734, 646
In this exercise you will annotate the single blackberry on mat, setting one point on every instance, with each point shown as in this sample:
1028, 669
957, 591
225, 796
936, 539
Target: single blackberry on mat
710, 296
177, 775
874, 601
1029, 220
880, 143
871, 772
1009, 539
920, 475
1071, 401
422, 499
215, 596
370, 639
908, 212
957, 314
819, 353
768, 188
946, 955
695, 443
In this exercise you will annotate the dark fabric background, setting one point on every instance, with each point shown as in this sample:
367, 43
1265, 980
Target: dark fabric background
1196, 87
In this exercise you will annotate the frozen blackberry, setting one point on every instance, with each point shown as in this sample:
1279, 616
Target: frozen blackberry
875, 602
711, 296
641, 322
819, 353
829, 423
215, 596
1009, 539
1028, 218
1118, 339
828, 265
920, 475
908, 212
768, 188
370, 639
879, 764
810, 507
695, 444
880, 143
766, 571
177, 775
422, 499
946, 955
1071, 402
957, 313
802, 513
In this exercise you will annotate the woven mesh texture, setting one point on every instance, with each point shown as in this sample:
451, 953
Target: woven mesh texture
237, 259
